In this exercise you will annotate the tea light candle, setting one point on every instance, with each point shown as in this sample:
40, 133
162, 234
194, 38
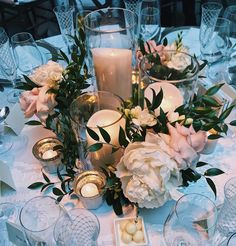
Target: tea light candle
113, 69
89, 190
172, 97
48, 154
111, 121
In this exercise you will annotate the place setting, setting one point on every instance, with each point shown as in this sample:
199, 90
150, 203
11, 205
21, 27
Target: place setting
121, 131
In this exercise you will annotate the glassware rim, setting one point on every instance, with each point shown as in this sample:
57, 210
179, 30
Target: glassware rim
36, 197
3, 32
223, 20
98, 92
111, 31
157, 11
67, 8
229, 9
217, 4
67, 213
226, 186
30, 38
207, 198
176, 81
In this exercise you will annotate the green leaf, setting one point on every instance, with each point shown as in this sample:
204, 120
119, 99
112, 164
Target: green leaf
46, 178
226, 113
95, 147
213, 90
212, 185
35, 185
64, 57
122, 138
213, 172
202, 110
142, 47
57, 192
165, 41
45, 186
201, 164
92, 134
214, 136
33, 123
233, 123
30, 82
114, 150
157, 99
210, 101
104, 134
117, 207
59, 198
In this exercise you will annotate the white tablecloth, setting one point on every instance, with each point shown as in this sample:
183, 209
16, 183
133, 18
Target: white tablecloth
27, 170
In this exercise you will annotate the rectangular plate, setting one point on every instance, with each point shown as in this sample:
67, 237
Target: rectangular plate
118, 233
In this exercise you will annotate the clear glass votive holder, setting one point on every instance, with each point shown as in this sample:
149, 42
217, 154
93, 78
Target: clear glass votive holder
38, 218
77, 227
47, 152
90, 187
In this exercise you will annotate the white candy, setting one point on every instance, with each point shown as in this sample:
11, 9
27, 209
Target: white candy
131, 227
126, 237
138, 236
123, 224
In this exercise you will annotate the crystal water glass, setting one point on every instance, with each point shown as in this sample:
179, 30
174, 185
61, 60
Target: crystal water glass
7, 65
26, 52
210, 13
38, 218
65, 18
191, 222
77, 227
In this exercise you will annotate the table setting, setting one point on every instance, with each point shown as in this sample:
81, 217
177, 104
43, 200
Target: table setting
119, 133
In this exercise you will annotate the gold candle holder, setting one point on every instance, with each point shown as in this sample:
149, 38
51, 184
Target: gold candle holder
44, 151
89, 186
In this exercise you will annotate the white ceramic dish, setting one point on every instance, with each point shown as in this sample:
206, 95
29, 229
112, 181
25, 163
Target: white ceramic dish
118, 233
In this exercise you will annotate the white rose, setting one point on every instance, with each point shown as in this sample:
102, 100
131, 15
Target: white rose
148, 173
48, 74
142, 117
179, 61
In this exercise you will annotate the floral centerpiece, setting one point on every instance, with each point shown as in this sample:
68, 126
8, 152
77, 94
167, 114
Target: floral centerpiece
161, 149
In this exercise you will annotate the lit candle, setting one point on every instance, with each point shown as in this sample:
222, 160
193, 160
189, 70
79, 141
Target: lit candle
89, 190
172, 97
49, 154
111, 121
113, 69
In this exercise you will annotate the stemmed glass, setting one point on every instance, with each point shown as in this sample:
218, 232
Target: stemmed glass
26, 52
7, 65
191, 222
217, 48
149, 23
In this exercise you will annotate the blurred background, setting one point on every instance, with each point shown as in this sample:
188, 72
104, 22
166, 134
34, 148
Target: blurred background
37, 17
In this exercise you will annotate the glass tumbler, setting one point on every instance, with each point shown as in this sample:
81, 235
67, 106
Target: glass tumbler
111, 40
226, 223
38, 218
77, 227
191, 222
210, 13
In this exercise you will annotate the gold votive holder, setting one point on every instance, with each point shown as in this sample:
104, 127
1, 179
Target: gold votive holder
48, 154
91, 199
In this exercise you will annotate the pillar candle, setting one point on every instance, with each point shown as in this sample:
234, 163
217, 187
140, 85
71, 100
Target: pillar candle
113, 69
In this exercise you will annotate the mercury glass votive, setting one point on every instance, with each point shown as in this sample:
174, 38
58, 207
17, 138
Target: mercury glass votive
89, 186
46, 151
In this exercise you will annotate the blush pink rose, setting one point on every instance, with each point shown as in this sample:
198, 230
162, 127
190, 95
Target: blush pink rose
28, 102
39, 102
186, 143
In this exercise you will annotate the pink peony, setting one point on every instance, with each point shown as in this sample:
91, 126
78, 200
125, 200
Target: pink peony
37, 101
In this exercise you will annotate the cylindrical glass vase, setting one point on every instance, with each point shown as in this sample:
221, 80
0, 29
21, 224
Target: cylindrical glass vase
110, 38
94, 110
173, 67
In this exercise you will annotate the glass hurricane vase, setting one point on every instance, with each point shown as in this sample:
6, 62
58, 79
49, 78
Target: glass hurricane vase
174, 67
93, 110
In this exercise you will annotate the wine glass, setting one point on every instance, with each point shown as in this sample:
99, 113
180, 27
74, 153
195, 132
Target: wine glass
217, 50
7, 65
26, 52
191, 222
149, 23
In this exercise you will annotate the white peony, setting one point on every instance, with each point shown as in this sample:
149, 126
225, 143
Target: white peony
48, 74
148, 173
142, 117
